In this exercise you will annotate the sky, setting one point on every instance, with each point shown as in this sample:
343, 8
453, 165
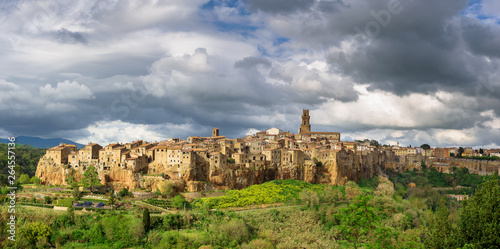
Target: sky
404, 71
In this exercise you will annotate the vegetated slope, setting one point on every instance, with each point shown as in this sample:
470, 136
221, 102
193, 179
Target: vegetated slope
26, 158
277, 191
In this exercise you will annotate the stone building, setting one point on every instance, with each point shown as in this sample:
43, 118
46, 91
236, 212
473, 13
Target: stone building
59, 154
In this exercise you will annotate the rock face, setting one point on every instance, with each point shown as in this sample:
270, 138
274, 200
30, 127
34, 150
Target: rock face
203, 177
344, 166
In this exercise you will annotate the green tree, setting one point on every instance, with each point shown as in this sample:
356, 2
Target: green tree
71, 214
374, 143
146, 219
24, 179
124, 192
479, 222
309, 197
47, 199
440, 233
357, 220
460, 151
35, 180
179, 202
425, 146
34, 232
90, 178
76, 193
111, 199
70, 176
351, 190
331, 194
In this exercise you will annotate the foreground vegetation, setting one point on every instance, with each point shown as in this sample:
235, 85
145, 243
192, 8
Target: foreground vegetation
376, 213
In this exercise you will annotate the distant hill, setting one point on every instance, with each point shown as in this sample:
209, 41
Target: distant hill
38, 142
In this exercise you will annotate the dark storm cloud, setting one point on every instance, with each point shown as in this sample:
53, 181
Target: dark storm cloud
141, 65
482, 39
250, 62
70, 37
280, 6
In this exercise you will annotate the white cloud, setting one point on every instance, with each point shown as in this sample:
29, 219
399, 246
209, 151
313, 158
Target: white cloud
119, 131
384, 109
251, 132
66, 91
491, 8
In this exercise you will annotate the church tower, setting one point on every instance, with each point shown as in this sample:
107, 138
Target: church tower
305, 126
215, 132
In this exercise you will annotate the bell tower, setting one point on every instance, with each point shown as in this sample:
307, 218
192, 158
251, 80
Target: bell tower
215, 132
305, 126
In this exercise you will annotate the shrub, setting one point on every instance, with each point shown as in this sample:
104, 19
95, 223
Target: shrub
230, 233
35, 231
172, 221
385, 188
167, 188
124, 192
351, 190
331, 194
258, 243
179, 202
76, 193
95, 235
309, 197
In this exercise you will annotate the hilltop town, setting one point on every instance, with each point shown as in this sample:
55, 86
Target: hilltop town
206, 163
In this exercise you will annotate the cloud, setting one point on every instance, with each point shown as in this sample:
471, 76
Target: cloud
118, 131
66, 91
408, 71
66, 36
280, 6
380, 109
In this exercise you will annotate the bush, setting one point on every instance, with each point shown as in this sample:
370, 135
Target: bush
180, 202
258, 243
385, 188
351, 190
331, 194
172, 221
230, 233
76, 193
167, 188
124, 192
35, 180
34, 232
24, 179
309, 197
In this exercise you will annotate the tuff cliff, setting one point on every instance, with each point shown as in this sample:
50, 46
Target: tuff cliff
346, 166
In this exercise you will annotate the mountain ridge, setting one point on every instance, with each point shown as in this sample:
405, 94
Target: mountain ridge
39, 142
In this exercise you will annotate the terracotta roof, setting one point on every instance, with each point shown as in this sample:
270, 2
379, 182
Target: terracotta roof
56, 148
160, 147
322, 133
